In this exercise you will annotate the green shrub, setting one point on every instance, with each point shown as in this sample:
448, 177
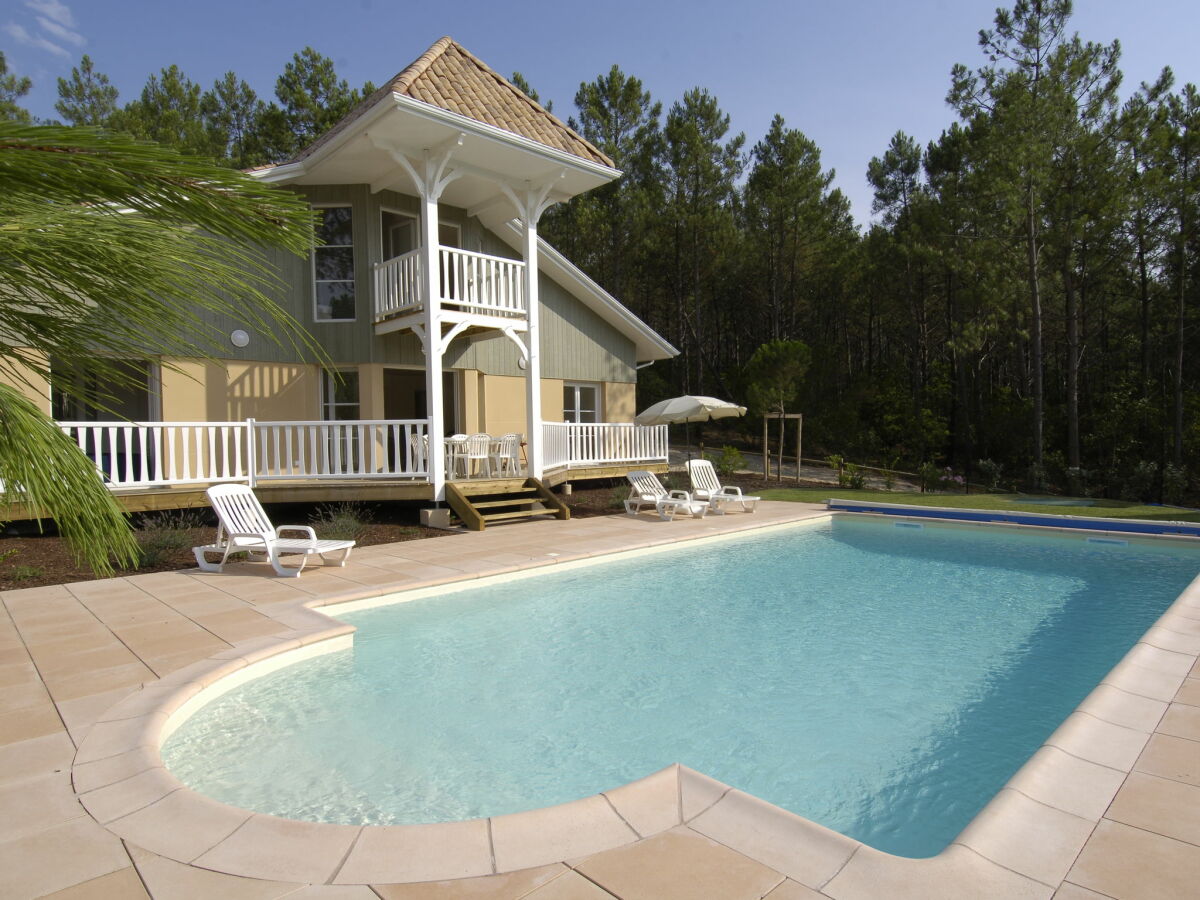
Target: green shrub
346, 521
991, 472
1139, 484
728, 461
25, 573
1175, 480
160, 536
852, 476
930, 476
616, 499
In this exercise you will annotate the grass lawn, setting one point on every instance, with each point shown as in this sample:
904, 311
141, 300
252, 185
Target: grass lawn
1112, 509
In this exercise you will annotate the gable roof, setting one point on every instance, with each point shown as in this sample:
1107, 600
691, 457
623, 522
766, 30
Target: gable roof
450, 77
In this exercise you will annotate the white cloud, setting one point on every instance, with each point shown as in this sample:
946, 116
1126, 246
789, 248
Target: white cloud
21, 36
62, 32
53, 10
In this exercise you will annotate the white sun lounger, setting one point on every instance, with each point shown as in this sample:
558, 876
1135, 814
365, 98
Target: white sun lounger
244, 527
645, 490
705, 486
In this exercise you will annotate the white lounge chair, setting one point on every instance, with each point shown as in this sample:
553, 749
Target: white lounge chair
244, 527
705, 486
645, 490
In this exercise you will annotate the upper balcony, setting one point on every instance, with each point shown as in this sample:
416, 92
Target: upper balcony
476, 286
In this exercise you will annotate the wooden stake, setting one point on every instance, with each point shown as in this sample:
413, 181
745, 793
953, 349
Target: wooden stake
766, 451
799, 433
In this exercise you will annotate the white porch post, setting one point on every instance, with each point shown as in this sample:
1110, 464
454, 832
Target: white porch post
431, 180
530, 204
432, 338
533, 373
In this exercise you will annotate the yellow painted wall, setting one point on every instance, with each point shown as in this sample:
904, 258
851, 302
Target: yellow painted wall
619, 401
552, 400
37, 391
198, 391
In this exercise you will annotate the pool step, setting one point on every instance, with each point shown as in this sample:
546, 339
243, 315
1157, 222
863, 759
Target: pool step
478, 504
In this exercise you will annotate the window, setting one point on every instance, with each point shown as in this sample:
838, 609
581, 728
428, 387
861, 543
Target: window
333, 265
339, 395
581, 402
400, 234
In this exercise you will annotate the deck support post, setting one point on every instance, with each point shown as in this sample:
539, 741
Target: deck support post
530, 203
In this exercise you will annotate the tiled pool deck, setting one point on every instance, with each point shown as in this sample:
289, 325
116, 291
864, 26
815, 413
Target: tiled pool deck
1110, 806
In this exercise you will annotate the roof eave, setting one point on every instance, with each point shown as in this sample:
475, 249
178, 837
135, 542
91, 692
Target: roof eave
492, 132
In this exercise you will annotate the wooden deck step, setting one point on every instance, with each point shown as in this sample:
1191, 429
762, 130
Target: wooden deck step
478, 504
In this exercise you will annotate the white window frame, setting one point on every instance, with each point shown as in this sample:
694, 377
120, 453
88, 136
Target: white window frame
391, 210
327, 394
571, 414
353, 265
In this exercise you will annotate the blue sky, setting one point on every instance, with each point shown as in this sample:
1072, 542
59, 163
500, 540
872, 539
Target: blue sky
848, 74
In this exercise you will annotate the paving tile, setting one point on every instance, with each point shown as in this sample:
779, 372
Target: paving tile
1139, 680
944, 877
29, 722
1068, 891
103, 772
1098, 741
1123, 708
792, 890
36, 804
282, 849
1171, 757
509, 886
1058, 779
1026, 836
698, 792
1189, 692
650, 804
802, 850
1160, 805
418, 853
1133, 864
570, 886
35, 757
84, 684
678, 864
543, 836
85, 711
181, 826
1181, 720
115, 801
124, 884
59, 857
171, 880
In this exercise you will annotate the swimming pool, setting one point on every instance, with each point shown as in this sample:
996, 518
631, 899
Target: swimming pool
811, 667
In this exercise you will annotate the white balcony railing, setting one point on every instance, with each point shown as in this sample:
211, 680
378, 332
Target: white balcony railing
469, 282
160, 454
398, 285
574, 445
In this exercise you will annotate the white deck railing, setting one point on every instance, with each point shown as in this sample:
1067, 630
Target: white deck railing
381, 448
574, 445
160, 454
470, 282
164, 454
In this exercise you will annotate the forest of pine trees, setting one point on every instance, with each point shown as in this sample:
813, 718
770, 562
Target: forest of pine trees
1021, 308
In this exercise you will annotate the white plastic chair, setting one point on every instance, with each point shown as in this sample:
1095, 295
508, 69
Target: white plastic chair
456, 454
705, 486
479, 449
505, 454
244, 527
645, 490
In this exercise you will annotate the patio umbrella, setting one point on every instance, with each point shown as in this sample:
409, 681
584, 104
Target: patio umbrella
688, 409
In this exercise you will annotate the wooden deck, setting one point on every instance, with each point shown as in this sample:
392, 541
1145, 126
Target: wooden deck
333, 491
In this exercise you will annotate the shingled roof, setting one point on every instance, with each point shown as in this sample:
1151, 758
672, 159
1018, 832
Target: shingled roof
449, 76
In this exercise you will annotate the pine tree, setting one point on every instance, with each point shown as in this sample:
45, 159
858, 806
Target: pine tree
87, 97
12, 89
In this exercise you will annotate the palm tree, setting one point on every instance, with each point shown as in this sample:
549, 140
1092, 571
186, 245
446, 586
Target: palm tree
112, 248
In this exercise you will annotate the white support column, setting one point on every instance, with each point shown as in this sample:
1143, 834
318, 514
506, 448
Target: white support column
530, 204
431, 179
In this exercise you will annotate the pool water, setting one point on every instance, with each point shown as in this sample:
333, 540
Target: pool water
882, 678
